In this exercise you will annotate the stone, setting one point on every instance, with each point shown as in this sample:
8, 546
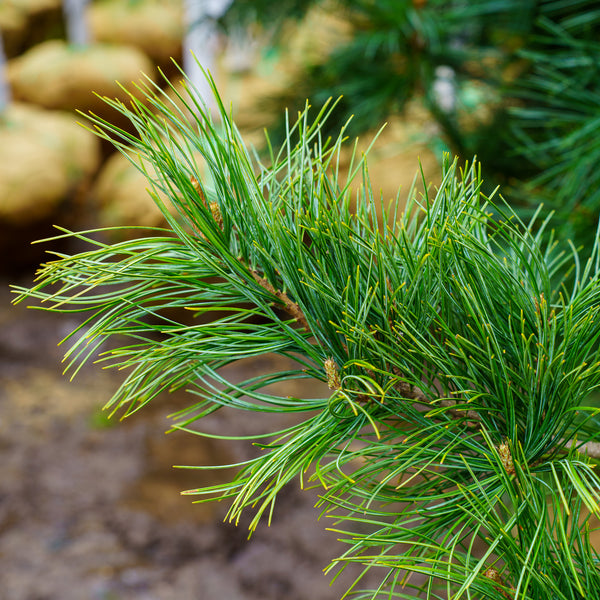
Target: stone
24, 23
56, 75
122, 195
123, 199
45, 156
154, 27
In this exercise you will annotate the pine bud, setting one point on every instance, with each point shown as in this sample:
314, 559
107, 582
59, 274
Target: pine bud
196, 185
493, 574
506, 457
333, 375
215, 210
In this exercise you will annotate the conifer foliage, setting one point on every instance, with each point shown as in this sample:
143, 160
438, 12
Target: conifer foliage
522, 87
459, 350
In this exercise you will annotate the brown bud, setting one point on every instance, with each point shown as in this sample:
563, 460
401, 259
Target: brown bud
196, 185
215, 210
506, 457
333, 375
493, 574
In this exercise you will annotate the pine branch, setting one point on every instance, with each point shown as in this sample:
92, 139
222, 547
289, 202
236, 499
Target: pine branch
591, 449
289, 306
455, 350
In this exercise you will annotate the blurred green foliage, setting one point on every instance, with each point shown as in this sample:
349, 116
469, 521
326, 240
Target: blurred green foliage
522, 77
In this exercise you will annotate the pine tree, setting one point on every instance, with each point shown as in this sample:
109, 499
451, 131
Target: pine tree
459, 345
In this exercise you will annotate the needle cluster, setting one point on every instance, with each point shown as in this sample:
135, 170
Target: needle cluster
459, 351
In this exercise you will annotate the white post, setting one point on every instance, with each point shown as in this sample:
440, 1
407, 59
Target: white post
4, 89
200, 43
77, 26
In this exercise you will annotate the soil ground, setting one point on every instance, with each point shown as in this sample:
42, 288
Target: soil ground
92, 510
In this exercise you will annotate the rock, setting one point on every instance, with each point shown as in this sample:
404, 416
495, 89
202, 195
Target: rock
122, 196
56, 75
46, 164
25, 23
154, 27
33, 7
13, 23
44, 157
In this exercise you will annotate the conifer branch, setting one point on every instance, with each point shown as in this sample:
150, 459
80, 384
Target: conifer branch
591, 449
289, 306
469, 297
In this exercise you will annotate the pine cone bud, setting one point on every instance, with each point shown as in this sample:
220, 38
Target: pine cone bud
493, 574
333, 375
506, 457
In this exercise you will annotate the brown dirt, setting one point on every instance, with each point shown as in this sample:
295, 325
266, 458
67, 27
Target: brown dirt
91, 509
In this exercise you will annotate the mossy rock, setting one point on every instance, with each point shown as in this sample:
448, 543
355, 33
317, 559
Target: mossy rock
59, 76
25, 23
44, 158
122, 197
13, 24
156, 28
46, 165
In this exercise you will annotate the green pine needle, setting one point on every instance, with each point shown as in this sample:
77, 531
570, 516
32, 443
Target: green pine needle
460, 350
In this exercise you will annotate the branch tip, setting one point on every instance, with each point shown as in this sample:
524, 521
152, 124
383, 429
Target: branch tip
506, 457
333, 374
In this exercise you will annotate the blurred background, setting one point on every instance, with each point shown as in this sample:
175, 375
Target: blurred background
90, 508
